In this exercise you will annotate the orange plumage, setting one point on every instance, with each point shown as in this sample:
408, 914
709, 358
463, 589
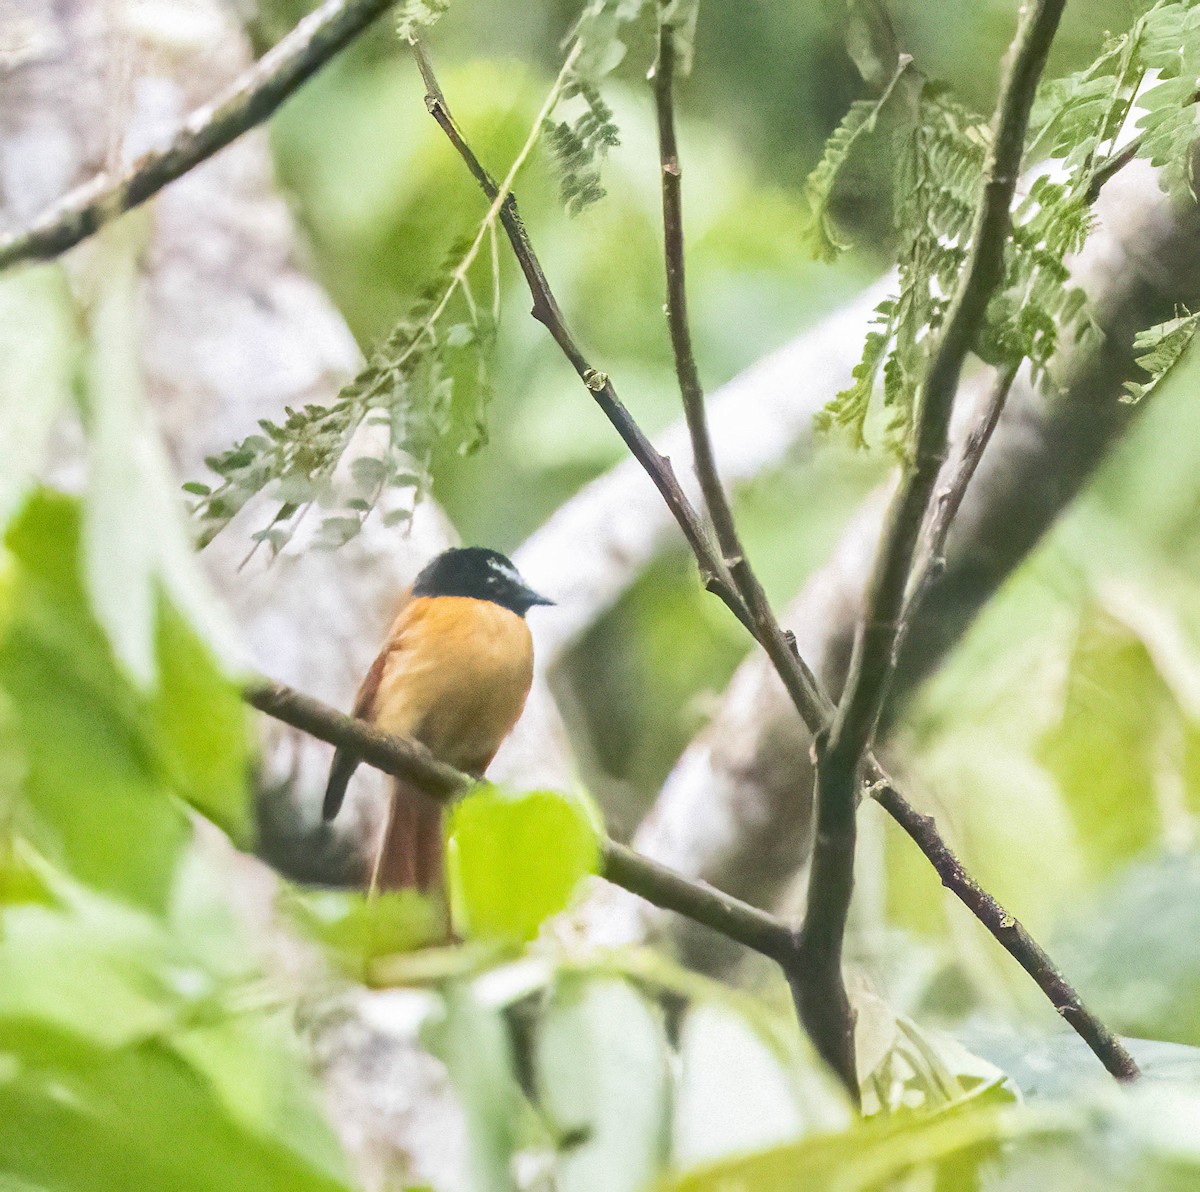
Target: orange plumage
454, 674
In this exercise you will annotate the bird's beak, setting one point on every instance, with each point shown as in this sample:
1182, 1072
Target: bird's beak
534, 598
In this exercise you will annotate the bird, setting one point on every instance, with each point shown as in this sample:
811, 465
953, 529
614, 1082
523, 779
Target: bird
454, 673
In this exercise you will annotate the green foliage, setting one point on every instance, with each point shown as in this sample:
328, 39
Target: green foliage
938, 171
137, 1047
822, 233
398, 408
1170, 45
425, 385
516, 859
946, 1150
355, 930
579, 144
1160, 348
939, 163
98, 753
126, 1062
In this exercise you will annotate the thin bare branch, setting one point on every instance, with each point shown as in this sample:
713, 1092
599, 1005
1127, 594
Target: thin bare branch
252, 99
1011, 934
949, 501
546, 311
818, 988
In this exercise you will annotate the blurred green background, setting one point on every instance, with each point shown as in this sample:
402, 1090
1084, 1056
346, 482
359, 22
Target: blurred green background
1059, 746
1057, 711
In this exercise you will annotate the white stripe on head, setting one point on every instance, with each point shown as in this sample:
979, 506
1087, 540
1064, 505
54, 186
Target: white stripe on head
506, 572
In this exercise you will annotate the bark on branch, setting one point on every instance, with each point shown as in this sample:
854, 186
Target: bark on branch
249, 101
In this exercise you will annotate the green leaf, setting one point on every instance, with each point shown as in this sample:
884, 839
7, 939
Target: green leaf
947, 1150
201, 723
1105, 750
125, 1060
603, 1079
1158, 350
38, 361
1060, 1067
822, 234
101, 758
516, 859
93, 793
355, 929
471, 1040
77, 1118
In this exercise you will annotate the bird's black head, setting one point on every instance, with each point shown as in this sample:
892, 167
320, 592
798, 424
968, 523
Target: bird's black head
481, 574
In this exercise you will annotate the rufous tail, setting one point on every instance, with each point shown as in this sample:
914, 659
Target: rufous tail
410, 857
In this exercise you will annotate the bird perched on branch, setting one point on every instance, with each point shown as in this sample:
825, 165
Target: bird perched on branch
453, 674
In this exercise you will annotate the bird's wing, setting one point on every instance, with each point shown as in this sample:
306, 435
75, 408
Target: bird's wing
345, 761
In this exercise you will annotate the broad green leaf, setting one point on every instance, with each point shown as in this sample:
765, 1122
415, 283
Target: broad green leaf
60, 961
92, 791
130, 1059
356, 930
38, 358
260, 1076
946, 1150
100, 759
1059, 1066
472, 1041
516, 859
199, 718
1105, 752
603, 1081
77, 1117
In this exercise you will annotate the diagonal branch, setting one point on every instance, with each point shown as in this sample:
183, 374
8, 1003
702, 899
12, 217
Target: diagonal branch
251, 100
546, 310
949, 501
410, 760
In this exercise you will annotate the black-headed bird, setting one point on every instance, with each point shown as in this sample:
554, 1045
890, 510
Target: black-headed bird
454, 674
